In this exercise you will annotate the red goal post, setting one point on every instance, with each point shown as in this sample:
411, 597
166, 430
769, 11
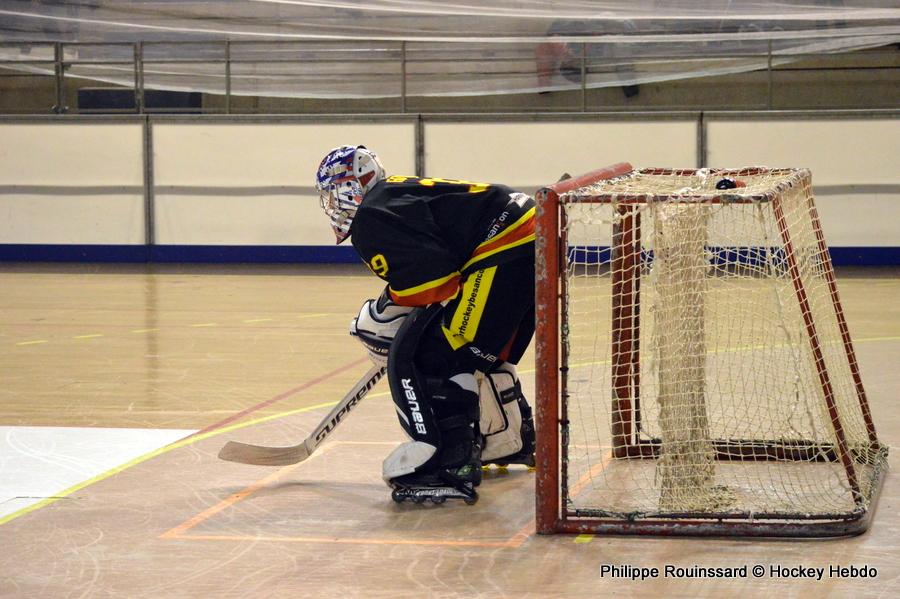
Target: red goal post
547, 350
658, 475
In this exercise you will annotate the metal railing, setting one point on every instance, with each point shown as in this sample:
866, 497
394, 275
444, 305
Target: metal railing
60, 67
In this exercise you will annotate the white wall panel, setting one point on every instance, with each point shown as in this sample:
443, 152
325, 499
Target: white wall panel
104, 219
252, 183
71, 154
234, 173
529, 155
78, 183
839, 153
855, 220
241, 220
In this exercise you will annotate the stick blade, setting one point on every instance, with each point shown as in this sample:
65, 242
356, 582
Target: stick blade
259, 455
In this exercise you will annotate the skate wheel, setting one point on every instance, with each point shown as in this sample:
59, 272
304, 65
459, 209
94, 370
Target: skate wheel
471, 500
417, 499
397, 496
438, 500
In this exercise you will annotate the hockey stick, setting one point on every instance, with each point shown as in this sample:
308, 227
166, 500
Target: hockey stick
259, 455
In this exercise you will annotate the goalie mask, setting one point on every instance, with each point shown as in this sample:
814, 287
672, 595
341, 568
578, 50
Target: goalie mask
345, 175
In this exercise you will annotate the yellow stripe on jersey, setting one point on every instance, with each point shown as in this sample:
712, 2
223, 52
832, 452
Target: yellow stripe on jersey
427, 293
519, 233
467, 316
508, 230
529, 238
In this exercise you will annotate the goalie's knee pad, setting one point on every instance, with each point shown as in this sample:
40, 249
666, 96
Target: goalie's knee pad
505, 416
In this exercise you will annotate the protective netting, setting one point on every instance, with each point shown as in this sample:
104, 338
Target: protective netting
705, 365
375, 48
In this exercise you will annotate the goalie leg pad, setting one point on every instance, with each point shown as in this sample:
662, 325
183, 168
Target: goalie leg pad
405, 459
454, 405
408, 384
456, 409
505, 416
434, 409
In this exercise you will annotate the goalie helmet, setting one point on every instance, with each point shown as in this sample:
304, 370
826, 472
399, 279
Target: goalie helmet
345, 175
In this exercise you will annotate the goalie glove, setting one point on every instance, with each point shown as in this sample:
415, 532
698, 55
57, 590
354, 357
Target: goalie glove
376, 325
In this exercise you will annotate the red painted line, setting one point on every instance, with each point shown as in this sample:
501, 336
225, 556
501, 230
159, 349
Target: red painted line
277, 398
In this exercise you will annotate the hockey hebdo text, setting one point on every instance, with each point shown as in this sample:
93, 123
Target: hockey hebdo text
783, 571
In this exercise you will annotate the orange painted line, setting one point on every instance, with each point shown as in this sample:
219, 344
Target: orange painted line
227, 502
178, 532
522, 535
529, 529
587, 476
582, 483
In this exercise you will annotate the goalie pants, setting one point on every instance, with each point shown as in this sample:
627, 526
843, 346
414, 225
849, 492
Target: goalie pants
492, 318
438, 349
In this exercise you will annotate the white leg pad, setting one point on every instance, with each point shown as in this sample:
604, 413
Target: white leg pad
501, 420
406, 459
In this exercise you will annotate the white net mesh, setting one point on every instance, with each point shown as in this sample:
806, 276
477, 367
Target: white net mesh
701, 329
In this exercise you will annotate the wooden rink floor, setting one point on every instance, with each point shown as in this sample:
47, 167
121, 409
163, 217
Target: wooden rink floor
203, 354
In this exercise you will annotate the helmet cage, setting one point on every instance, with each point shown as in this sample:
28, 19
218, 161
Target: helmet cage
339, 183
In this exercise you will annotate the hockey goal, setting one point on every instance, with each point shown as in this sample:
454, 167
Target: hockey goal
695, 374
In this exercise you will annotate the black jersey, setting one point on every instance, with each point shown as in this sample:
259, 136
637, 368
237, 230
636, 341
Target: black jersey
423, 236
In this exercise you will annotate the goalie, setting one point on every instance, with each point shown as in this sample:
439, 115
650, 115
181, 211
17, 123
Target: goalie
455, 317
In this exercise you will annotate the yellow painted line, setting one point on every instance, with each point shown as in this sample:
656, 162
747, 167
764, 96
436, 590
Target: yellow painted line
35, 342
205, 324
723, 351
176, 445
94, 336
258, 320
876, 339
316, 315
584, 538
144, 330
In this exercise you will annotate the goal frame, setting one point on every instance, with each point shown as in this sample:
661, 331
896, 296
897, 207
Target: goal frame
551, 513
